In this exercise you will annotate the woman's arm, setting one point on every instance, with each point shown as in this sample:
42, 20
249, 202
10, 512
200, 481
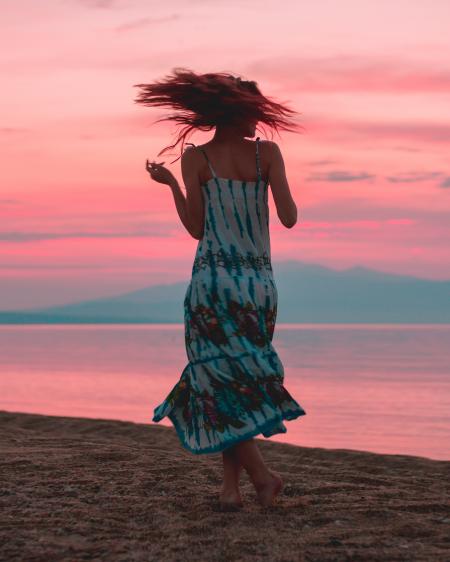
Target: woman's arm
180, 204
284, 202
190, 208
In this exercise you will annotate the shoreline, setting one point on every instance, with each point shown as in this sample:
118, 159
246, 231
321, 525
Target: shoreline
87, 488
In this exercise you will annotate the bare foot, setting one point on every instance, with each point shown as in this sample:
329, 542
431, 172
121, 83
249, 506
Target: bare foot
230, 499
268, 491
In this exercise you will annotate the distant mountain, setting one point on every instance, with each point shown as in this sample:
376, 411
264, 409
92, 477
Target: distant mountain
307, 293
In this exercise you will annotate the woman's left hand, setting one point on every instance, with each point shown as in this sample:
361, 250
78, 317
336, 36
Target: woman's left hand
159, 173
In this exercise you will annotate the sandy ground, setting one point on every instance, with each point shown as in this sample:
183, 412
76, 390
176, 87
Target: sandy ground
86, 489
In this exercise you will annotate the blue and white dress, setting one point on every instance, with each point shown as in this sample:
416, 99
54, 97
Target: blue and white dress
233, 385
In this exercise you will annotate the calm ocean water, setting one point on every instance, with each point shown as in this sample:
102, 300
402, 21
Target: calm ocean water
379, 388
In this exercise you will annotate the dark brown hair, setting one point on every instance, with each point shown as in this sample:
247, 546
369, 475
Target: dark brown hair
207, 100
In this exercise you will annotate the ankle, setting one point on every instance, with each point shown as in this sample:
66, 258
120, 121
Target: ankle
261, 478
229, 488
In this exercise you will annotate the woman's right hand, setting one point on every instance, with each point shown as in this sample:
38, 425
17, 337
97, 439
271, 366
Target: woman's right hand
159, 173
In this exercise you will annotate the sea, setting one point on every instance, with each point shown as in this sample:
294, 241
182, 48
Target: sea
382, 388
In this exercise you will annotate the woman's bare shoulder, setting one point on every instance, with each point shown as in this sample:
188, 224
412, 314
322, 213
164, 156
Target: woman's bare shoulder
270, 152
269, 146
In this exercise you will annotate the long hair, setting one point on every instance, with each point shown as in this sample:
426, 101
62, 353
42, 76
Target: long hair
207, 100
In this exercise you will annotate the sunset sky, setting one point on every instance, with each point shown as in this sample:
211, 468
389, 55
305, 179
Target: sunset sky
80, 216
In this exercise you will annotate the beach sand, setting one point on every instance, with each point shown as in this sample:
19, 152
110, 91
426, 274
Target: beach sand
89, 489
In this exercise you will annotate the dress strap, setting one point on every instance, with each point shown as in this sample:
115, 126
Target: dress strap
258, 168
207, 159
209, 163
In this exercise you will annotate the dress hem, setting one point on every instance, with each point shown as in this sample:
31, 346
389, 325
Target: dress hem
288, 415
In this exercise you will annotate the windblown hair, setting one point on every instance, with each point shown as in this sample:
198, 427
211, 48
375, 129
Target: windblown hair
207, 100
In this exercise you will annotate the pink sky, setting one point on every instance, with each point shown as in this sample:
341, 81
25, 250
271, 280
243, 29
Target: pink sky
81, 218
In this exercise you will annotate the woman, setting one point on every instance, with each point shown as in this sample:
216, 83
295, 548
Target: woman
232, 388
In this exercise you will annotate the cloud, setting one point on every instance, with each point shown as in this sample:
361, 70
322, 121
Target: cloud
320, 162
10, 202
145, 22
13, 130
340, 176
407, 177
406, 148
350, 209
103, 4
350, 130
351, 73
162, 230
413, 177
419, 131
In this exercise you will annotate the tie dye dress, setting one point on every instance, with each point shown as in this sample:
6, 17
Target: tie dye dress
232, 387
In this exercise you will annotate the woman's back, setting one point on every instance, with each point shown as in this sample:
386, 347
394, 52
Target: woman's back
236, 218
234, 160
